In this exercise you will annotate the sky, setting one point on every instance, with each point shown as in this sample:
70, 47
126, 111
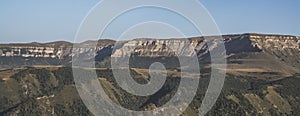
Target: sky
57, 20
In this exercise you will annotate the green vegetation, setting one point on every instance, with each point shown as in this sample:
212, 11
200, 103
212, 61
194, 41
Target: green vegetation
34, 91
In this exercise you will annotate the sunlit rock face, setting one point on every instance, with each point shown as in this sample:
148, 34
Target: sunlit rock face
280, 45
157, 48
233, 44
283, 47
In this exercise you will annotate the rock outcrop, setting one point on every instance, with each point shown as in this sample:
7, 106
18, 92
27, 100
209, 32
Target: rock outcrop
284, 47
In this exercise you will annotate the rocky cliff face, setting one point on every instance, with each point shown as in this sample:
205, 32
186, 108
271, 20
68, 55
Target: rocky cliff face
286, 48
281, 46
157, 48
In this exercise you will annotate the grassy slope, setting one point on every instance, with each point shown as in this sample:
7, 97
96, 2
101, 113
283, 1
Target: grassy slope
29, 91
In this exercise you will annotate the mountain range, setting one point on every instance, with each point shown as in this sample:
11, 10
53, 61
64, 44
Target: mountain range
245, 52
262, 74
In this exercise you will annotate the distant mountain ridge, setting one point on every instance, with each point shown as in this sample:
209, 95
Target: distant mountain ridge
262, 74
281, 47
233, 43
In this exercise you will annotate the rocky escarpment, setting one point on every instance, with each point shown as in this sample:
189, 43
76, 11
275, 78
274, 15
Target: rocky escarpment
279, 45
54, 53
58, 49
283, 47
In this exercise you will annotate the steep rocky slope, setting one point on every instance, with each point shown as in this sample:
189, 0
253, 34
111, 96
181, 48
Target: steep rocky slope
262, 74
255, 53
234, 44
282, 46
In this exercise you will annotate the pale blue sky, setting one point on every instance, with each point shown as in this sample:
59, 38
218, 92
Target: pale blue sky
44, 21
